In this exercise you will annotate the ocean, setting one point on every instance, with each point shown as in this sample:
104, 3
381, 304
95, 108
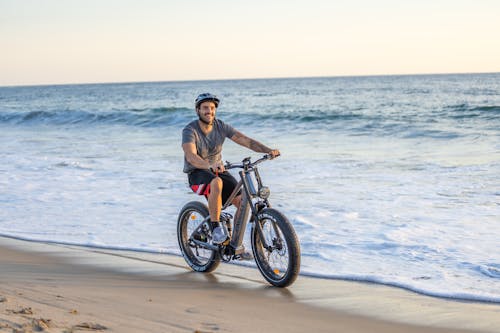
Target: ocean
386, 179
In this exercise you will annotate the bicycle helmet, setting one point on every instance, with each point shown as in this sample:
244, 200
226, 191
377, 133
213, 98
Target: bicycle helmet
206, 97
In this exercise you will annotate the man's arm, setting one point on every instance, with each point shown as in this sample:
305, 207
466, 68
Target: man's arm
195, 160
192, 156
252, 144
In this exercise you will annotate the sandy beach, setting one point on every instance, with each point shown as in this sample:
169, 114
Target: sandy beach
55, 288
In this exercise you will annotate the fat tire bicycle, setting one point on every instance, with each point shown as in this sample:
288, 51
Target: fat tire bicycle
274, 243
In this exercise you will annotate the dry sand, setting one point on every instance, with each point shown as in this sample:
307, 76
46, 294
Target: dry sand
54, 288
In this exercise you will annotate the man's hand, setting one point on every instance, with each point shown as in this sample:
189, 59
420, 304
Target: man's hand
274, 153
217, 167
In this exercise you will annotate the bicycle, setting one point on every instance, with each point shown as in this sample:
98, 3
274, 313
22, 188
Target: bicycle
275, 245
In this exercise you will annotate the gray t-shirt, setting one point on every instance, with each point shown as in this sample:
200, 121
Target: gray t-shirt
208, 147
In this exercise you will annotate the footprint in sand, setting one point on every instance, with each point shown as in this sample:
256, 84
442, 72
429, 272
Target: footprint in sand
41, 324
23, 311
90, 327
4, 325
208, 328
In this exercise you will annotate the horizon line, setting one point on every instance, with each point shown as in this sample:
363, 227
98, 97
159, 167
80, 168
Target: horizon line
241, 79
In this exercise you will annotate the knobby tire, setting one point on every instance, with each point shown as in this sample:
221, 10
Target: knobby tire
280, 267
189, 218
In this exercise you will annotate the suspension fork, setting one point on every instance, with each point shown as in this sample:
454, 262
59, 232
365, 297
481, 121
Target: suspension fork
252, 193
260, 231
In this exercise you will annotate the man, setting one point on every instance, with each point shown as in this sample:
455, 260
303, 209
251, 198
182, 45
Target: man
202, 141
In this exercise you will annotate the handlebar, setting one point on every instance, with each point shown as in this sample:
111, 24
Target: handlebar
246, 163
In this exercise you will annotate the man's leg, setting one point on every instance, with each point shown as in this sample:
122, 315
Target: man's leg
237, 203
214, 208
215, 196
245, 255
215, 199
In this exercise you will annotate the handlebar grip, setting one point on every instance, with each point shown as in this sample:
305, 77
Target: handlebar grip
270, 157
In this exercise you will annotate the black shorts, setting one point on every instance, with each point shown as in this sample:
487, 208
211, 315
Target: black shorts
199, 181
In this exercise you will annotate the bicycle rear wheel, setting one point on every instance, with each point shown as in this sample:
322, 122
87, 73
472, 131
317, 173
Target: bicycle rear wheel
198, 258
278, 254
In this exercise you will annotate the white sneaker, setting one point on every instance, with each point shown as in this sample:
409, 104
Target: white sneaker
219, 236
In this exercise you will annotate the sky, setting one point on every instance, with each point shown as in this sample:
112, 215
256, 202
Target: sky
94, 41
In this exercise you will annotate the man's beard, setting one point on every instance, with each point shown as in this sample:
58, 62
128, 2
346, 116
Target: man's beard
204, 121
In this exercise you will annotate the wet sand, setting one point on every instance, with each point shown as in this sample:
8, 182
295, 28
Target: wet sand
55, 288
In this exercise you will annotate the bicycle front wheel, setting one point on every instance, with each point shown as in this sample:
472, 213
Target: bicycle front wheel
198, 258
277, 254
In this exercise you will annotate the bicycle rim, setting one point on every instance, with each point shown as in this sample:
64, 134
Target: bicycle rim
280, 264
199, 258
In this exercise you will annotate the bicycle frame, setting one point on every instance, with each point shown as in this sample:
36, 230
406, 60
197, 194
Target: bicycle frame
274, 243
241, 219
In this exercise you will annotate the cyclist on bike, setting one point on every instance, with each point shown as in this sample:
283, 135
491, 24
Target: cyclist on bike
202, 141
